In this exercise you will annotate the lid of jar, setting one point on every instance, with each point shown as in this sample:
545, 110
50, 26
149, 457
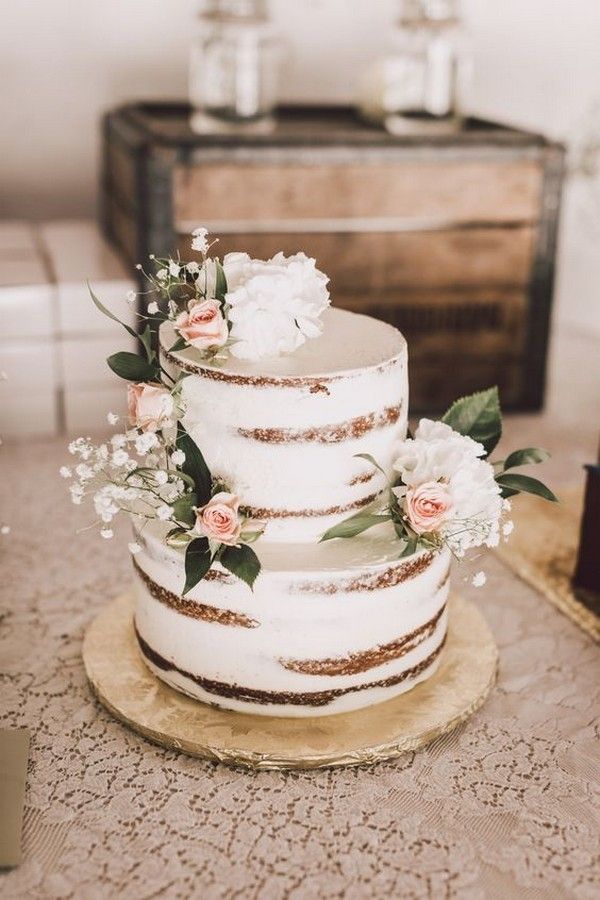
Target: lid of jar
438, 12
227, 10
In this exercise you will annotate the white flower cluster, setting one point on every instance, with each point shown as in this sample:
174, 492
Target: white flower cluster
274, 305
463, 500
117, 481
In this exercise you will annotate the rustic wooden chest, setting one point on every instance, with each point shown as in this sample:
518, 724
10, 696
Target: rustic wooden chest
450, 237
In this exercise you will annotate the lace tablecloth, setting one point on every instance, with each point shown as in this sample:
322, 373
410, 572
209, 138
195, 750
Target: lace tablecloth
506, 806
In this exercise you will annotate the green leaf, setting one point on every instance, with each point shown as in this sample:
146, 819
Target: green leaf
179, 344
146, 341
106, 312
525, 457
410, 547
197, 562
477, 416
354, 525
132, 367
242, 562
220, 282
372, 460
194, 465
183, 509
516, 484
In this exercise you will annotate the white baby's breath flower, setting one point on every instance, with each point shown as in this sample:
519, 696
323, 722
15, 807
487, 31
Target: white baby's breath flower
161, 477
65, 472
84, 472
112, 418
162, 274
120, 458
145, 442
153, 307
193, 268
131, 295
174, 269
5, 529
508, 528
479, 579
107, 533
134, 547
178, 457
76, 499
199, 242
118, 441
152, 256
164, 512
138, 266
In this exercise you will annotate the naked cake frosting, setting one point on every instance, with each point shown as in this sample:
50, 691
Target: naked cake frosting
292, 541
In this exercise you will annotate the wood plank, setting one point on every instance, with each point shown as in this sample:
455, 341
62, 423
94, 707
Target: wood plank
375, 262
459, 190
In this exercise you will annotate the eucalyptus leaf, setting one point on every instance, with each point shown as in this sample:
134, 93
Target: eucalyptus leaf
370, 459
106, 312
242, 562
525, 457
220, 282
146, 342
179, 344
194, 465
477, 416
354, 525
197, 562
409, 548
518, 484
132, 367
183, 509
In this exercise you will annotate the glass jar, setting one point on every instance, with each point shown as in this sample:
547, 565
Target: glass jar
234, 66
416, 84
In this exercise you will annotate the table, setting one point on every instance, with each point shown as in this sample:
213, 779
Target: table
506, 806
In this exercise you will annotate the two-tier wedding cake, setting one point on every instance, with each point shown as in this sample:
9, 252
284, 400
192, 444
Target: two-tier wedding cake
292, 541
329, 627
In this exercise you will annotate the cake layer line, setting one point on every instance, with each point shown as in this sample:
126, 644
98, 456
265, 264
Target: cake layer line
364, 660
192, 608
264, 512
282, 698
390, 576
326, 434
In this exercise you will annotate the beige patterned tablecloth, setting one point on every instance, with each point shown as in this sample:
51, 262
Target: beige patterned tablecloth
505, 807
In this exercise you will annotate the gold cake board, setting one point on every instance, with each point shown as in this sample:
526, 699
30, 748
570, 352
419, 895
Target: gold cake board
543, 549
135, 696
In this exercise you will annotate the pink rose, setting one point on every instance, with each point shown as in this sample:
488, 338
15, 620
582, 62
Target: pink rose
150, 406
219, 519
428, 505
203, 325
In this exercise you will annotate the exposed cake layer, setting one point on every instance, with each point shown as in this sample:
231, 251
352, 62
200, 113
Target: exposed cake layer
284, 433
328, 628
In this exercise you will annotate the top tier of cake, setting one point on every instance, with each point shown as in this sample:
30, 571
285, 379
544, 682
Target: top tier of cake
283, 433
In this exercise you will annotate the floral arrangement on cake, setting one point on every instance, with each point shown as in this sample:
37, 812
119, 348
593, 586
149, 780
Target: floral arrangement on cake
444, 491
153, 469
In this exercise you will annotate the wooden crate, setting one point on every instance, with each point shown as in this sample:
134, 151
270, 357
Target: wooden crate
451, 238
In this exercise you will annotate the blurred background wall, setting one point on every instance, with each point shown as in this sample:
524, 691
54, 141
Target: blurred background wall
63, 63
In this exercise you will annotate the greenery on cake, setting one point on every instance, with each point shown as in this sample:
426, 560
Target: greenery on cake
444, 491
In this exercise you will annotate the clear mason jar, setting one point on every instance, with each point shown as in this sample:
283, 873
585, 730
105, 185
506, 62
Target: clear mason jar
417, 83
234, 66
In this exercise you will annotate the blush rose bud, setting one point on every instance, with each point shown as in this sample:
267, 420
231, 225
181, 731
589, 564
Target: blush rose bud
203, 325
219, 519
428, 506
149, 406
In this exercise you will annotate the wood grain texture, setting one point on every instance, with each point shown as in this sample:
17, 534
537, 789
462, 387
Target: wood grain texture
461, 190
380, 261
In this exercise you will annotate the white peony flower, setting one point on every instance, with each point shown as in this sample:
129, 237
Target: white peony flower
275, 305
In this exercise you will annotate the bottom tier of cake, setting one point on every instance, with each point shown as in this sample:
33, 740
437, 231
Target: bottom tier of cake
329, 628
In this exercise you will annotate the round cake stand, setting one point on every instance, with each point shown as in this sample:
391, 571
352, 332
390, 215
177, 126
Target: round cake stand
127, 688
